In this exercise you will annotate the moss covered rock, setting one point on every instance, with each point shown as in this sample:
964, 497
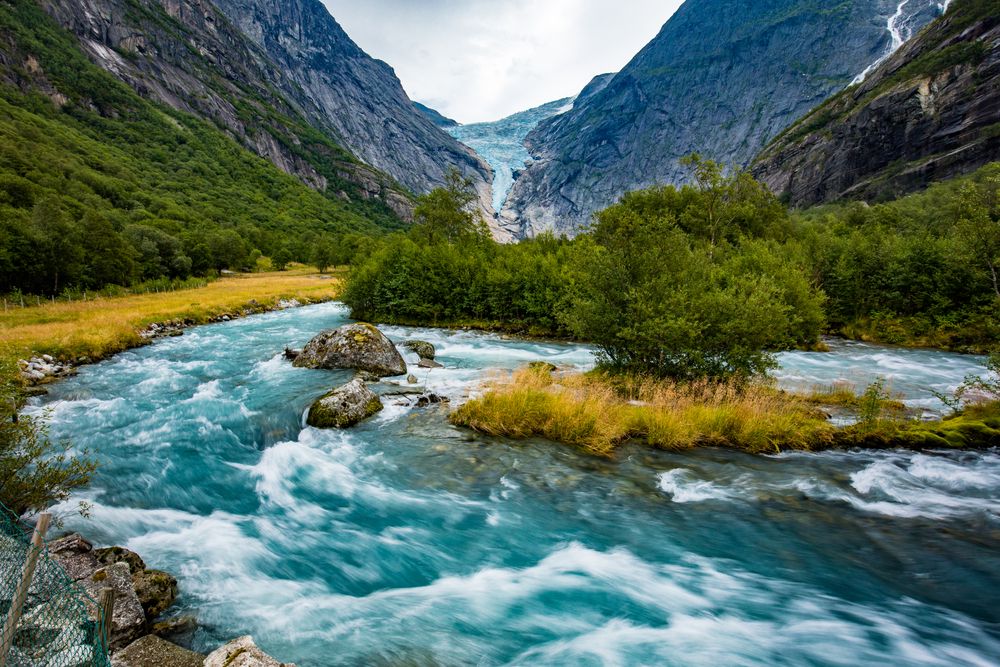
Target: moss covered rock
344, 406
359, 346
156, 591
423, 349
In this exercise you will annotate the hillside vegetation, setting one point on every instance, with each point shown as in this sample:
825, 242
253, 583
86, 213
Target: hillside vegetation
98, 186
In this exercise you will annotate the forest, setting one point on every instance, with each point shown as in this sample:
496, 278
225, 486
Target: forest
707, 279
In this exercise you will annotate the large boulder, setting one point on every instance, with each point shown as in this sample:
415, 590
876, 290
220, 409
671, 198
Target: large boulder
76, 556
359, 346
112, 555
151, 651
129, 621
156, 591
241, 652
344, 406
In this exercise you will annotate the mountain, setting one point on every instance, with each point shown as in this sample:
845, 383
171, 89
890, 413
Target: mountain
501, 143
436, 116
721, 78
929, 112
360, 96
285, 80
100, 186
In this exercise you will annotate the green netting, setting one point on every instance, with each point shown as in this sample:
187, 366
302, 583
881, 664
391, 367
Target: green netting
58, 626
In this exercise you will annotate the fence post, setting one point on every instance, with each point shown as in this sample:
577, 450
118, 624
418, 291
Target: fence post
17, 604
107, 614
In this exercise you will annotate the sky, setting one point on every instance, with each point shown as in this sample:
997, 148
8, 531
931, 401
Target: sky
482, 60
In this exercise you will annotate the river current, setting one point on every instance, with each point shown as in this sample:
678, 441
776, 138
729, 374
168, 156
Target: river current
407, 541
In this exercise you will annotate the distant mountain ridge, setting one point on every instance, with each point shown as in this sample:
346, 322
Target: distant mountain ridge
929, 112
721, 78
436, 116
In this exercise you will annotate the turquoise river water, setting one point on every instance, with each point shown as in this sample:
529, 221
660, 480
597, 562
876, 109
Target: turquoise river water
408, 541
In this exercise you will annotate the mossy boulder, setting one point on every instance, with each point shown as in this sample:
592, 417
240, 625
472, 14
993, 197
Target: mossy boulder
542, 367
423, 349
112, 555
156, 591
344, 406
359, 346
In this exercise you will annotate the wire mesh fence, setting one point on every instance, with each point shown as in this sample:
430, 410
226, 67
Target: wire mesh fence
58, 622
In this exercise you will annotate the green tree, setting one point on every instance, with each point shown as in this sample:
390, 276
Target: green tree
323, 254
979, 225
34, 471
449, 214
281, 258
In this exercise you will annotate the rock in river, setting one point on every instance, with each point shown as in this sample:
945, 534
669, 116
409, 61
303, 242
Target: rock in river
359, 346
344, 406
423, 349
242, 652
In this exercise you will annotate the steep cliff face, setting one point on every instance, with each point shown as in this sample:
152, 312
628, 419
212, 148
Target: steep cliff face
930, 112
186, 54
358, 95
722, 78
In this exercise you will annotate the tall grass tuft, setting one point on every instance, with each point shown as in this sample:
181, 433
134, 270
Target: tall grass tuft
599, 412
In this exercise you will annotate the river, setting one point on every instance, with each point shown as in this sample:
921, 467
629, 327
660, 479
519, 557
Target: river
408, 541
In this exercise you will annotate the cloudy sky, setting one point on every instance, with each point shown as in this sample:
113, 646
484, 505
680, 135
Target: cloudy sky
477, 60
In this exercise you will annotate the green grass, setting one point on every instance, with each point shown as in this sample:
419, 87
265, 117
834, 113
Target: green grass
599, 413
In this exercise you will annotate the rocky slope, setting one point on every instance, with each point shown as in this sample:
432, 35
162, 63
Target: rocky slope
358, 95
285, 80
722, 78
436, 116
929, 112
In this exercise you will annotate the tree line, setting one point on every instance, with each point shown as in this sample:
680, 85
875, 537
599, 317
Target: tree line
707, 279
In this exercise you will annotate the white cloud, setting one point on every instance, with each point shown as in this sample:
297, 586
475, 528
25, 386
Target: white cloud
476, 60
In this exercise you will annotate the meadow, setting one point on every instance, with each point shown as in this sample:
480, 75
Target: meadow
102, 326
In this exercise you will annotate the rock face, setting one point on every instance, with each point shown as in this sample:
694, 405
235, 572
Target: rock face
344, 406
358, 96
722, 78
929, 112
151, 651
187, 55
359, 346
241, 652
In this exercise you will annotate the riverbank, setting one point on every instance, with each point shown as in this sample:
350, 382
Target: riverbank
87, 331
599, 413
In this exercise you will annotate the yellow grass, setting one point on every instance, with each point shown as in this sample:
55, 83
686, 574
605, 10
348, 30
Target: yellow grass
598, 413
104, 326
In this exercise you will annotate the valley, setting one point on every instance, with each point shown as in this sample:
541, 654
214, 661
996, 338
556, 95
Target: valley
696, 364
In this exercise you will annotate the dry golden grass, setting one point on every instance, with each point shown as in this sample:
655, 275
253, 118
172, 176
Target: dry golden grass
105, 326
598, 413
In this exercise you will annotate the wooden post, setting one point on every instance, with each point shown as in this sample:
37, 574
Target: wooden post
107, 615
17, 604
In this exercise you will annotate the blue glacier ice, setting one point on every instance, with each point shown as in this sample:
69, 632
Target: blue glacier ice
501, 143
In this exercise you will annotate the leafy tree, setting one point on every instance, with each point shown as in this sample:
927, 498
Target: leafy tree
449, 214
979, 225
34, 471
323, 255
281, 258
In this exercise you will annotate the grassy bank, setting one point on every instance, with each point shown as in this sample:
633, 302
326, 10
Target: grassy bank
599, 413
104, 326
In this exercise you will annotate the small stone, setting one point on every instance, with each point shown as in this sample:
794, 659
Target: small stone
241, 652
543, 366
152, 651
423, 349
48, 359
429, 363
175, 627
412, 379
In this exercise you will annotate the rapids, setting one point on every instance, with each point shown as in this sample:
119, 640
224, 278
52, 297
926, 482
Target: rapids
406, 540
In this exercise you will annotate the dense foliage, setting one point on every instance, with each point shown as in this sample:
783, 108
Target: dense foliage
34, 471
685, 282
919, 270
706, 279
98, 186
